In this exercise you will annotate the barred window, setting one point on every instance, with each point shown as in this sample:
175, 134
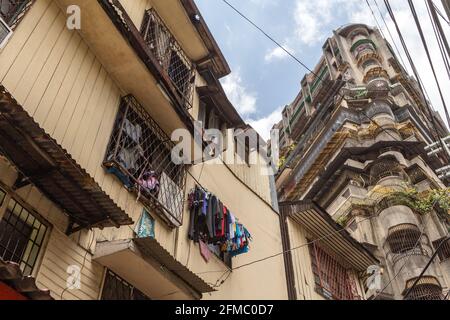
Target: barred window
115, 288
12, 11
21, 236
169, 55
139, 154
444, 249
428, 288
2, 197
405, 240
331, 277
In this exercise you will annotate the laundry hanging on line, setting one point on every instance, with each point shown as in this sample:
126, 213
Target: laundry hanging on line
213, 223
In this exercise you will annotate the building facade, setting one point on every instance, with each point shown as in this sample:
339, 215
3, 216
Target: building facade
360, 137
92, 207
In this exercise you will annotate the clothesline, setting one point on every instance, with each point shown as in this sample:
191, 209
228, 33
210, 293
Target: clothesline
211, 222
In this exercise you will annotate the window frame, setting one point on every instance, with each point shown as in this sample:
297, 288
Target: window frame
153, 155
117, 278
43, 223
169, 54
329, 293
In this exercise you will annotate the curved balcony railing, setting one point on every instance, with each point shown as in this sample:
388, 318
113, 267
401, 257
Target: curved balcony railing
404, 241
428, 288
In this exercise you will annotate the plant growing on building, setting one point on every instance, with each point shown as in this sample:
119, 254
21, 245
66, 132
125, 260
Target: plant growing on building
423, 202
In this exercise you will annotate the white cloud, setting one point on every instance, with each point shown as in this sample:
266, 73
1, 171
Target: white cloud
313, 19
264, 125
278, 53
310, 18
243, 100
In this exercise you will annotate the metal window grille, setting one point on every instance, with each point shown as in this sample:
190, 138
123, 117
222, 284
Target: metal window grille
331, 278
115, 288
383, 169
405, 240
170, 56
428, 288
21, 237
2, 197
139, 154
13, 11
444, 251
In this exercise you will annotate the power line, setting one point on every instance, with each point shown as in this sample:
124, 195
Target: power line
408, 258
294, 57
440, 35
272, 39
375, 18
390, 33
424, 42
442, 16
303, 245
416, 73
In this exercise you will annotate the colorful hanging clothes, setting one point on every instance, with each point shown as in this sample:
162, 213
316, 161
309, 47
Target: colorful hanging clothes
211, 222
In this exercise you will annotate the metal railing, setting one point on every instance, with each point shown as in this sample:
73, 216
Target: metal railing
169, 55
139, 154
405, 240
12, 11
331, 278
22, 236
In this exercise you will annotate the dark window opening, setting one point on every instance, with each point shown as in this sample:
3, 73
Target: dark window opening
115, 288
12, 11
21, 237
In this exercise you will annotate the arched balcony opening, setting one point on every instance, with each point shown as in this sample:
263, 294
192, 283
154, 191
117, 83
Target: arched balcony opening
385, 168
428, 288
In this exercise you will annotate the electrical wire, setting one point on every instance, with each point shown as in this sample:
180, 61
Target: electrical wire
408, 258
416, 73
426, 268
83, 264
303, 245
442, 16
288, 52
440, 35
298, 60
375, 18
425, 45
390, 33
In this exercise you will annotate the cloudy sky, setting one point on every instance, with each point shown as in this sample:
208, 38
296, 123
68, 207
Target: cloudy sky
264, 79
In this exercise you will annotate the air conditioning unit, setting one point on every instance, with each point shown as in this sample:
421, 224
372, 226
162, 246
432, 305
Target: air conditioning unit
5, 32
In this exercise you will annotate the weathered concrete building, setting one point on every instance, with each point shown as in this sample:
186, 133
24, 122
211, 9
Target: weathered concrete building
91, 205
360, 125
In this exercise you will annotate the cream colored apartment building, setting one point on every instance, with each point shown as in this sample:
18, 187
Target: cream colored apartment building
85, 116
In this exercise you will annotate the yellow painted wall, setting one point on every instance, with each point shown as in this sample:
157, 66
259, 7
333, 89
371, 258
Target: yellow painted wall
304, 277
60, 82
58, 251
